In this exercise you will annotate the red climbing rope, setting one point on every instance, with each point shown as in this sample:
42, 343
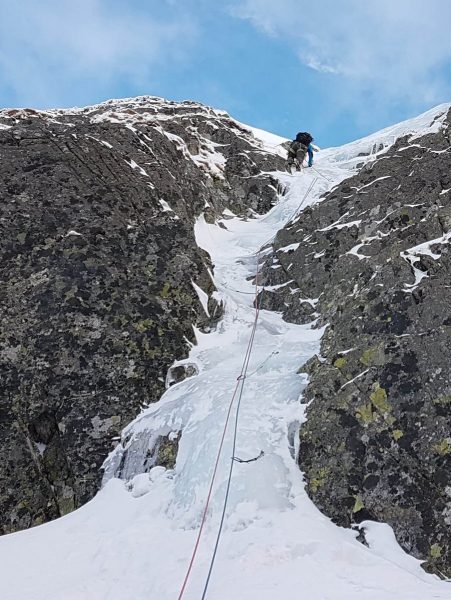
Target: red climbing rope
235, 434
207, 502
240, 380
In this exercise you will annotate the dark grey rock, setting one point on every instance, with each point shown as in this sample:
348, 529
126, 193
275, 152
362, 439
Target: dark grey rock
98, 258
377, 441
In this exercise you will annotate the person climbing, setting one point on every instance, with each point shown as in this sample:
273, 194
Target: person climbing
310, 150
299, 148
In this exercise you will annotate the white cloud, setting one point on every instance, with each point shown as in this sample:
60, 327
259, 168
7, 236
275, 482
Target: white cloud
396, 48
49, 47
314, 63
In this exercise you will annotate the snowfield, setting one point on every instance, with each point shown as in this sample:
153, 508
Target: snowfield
135, 538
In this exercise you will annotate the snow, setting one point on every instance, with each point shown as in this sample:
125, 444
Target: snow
210, 159
135, 538
412, 256
410, 146
271, 142
355, 251
203, 297
228, 213
273, 288
365, 241
312, 301
373, 182
347, 225
289, 248
269, 139
166, 208
355, 378
40, 447
373, 146
339, 225
134, 166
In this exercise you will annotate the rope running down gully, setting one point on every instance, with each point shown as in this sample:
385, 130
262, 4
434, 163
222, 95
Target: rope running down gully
240, 380
239, 386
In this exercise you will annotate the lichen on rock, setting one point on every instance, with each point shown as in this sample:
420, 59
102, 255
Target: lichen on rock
98, 264
379, 411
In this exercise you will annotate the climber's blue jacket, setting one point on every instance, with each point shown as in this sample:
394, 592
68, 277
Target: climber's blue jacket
310, 155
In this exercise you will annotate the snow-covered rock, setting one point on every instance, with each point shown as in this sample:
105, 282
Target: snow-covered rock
137, 535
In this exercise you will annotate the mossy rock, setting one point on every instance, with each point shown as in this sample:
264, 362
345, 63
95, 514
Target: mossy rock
340, 362
435, 551
359, 505
379, 399
373, 356
167, 452
443, 447
317, 478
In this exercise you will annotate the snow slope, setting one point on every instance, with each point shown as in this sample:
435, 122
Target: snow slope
135, 538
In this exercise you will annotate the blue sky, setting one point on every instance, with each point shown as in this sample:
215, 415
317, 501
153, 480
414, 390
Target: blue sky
338, 68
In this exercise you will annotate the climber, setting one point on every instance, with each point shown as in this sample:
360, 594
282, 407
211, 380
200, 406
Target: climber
299, 148
310, 150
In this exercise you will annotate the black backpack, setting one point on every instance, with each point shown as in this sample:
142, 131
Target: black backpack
304, 137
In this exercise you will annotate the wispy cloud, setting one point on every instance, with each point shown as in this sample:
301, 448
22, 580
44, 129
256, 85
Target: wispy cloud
397, 49
50, 48
312, 61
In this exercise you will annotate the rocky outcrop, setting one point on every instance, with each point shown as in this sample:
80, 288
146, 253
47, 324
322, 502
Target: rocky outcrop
372, 262
100, 277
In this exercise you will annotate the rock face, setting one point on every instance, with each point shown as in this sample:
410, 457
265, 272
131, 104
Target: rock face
100, 278
374, 261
